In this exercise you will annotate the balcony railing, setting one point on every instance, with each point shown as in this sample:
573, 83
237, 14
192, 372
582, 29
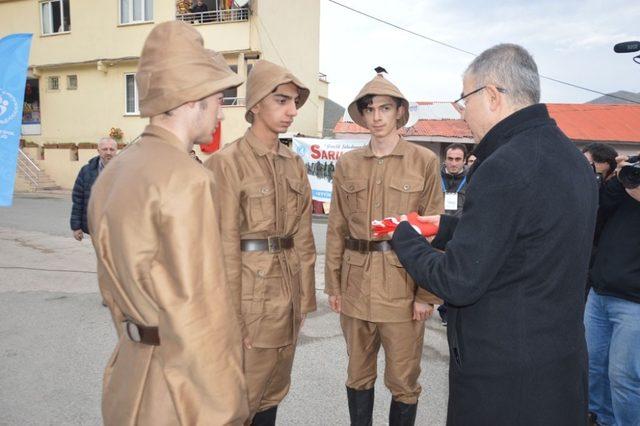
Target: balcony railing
233, 102
215, 16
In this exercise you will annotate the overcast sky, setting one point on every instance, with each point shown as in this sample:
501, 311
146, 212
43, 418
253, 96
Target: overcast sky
570, 40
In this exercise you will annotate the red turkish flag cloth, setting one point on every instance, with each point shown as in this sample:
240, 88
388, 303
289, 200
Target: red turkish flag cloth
215, 142
386, 226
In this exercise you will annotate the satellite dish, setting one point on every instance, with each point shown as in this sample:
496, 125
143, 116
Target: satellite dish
241, 3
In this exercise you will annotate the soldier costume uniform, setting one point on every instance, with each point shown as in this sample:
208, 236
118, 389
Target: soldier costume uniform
377, 296
264, 199
178, 359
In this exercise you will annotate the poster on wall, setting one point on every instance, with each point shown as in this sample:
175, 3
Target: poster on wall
320, 157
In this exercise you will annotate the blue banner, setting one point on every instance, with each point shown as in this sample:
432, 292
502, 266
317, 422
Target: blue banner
14, 60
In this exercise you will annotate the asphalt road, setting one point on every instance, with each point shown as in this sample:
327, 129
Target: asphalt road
55, 337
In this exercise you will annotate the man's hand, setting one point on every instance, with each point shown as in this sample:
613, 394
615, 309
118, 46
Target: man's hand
247, 343
422, 311
621, 161
335, 303
434, 219
304, 317
78, 234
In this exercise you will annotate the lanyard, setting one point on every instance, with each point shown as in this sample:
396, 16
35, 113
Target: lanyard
444, 189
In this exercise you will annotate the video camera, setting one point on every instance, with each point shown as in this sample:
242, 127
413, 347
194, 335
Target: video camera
629, 175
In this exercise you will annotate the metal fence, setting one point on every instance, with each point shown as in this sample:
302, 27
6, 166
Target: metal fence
215, 16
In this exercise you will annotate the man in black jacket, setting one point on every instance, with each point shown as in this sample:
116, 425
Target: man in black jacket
612, 315
513, 272
107, 149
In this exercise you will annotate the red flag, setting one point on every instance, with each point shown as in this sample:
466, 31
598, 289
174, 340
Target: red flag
215, 142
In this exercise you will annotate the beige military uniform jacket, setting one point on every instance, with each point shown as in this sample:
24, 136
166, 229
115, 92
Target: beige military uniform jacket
261, 194
160, 263
374, 286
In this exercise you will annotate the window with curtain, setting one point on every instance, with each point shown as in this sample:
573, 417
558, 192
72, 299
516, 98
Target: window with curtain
55, 16
131, 94
132, 11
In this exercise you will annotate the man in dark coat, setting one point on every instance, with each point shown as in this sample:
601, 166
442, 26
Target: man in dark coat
513, 271
88, 174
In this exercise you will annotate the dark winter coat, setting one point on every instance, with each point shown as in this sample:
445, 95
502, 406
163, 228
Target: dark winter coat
81, 192
513, 273
615, 271
451, 183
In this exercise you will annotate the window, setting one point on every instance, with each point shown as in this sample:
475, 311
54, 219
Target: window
56, 16
131, 94
230, 96
53, 83
132, 11
72, 82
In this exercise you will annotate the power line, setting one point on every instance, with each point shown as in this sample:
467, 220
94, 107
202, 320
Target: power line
450, 46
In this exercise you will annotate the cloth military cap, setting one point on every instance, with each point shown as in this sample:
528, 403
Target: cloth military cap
264, 78
382, 87
175, 68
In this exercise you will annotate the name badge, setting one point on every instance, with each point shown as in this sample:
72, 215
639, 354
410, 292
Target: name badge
451, 201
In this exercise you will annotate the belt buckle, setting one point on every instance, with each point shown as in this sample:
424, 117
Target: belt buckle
133, 331
274, 244
363, 246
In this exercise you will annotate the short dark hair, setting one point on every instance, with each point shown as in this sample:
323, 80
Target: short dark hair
459, 146
602, 153
367, 100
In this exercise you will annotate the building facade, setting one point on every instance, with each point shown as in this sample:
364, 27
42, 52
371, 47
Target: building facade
85, 53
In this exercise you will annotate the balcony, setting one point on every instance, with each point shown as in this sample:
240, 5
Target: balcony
215, 16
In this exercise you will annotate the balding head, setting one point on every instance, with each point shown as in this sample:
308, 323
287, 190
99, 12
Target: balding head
107, 149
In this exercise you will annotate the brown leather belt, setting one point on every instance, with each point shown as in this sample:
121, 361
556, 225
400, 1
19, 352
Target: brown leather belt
271, 244
365, 246
142, 334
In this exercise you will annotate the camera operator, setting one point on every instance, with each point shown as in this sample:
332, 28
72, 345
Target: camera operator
612, 314
602, 158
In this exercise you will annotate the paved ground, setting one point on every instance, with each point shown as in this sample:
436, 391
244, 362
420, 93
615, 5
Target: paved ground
55, 337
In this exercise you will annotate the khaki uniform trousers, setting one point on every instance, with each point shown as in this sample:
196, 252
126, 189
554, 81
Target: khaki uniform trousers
268, 375
402, 344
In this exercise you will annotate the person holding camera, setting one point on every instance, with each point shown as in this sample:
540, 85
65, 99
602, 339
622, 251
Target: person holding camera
612, 314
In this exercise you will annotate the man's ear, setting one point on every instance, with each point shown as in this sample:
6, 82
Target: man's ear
496, 99
256, 108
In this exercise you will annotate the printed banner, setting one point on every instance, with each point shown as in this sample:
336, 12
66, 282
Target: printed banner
14, 60
320, 157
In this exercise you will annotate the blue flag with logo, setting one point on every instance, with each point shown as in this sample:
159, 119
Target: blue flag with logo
14, 60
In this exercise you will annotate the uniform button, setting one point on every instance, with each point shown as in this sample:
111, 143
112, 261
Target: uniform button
348, 257
405, 187
379, 181
261, 273
264, 190
380, 161
378, 204
351, 187
281, 208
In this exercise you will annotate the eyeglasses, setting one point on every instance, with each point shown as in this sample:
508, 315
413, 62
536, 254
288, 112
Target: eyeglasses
461, 103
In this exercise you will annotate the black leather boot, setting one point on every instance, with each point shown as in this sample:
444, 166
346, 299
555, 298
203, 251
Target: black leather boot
360, 406
265, 418
401, 414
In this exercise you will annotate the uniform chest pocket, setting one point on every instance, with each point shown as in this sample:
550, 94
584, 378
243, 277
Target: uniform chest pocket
295, 197
355, 194
260, 201
404, 195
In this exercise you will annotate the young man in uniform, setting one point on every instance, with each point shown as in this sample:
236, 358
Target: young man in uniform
179, 354
377, 301
264, 198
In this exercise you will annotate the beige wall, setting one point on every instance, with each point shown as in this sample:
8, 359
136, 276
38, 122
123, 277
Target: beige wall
88, 113
96, 32
293, 27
